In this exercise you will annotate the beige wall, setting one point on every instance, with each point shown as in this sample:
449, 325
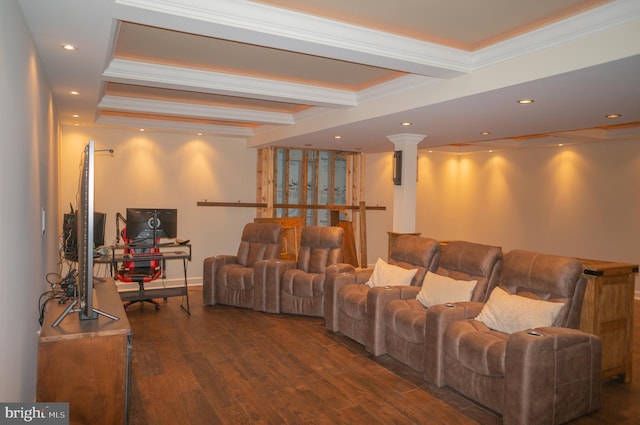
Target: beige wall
577, 200
580, 200
166, 170
28, 186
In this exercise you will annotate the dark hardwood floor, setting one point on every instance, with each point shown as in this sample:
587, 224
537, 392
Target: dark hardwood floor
225, 365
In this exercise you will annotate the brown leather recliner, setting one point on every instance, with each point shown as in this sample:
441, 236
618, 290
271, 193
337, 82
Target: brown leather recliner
404, 321
547, 375
230, 279
299, 286
354, 308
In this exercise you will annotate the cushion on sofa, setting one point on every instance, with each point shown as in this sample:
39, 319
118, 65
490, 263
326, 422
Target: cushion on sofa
437, 289
385, 274
513, 313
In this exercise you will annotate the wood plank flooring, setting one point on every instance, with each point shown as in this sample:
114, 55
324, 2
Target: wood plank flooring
225, 365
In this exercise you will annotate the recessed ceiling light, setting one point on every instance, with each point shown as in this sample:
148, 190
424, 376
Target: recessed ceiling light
406, 123
338, 137
560, 145
199, 134
525, 101
142, 129
613, 116
485, 133
76, 116
74, 92
69, 47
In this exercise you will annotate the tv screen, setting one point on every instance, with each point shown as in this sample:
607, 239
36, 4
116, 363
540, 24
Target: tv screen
146, 225
85, 221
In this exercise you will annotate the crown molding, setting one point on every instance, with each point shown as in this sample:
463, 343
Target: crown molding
166, 76
177, 126
194, 110
265, 25
593, 21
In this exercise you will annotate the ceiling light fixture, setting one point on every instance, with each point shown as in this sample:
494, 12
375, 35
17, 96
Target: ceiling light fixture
406, 123
76, 116
74, 93
612, 116
69, 47
337, 137
525, 101
142, 129
485, 133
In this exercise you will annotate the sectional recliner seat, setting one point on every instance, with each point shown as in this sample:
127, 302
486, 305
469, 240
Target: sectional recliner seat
501, 330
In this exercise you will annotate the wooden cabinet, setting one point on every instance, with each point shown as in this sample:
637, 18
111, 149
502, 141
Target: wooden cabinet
87, 362
607, 311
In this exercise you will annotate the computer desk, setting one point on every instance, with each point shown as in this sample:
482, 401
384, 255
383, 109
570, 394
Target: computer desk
168, 252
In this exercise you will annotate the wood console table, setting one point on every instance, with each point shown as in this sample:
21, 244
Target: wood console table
607, 311
87, 363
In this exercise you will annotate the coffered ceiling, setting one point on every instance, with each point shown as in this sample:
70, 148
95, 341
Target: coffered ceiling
304, 72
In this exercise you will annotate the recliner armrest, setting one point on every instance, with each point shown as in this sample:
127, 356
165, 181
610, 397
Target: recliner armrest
339, 268
377, 299
333, 284
562, 369
210, 265
266, 282
363, 275
438, 319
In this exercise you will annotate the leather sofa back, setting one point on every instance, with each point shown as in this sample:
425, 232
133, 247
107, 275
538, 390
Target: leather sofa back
260, 241
411, 251
549, 278
320, 246
462, 260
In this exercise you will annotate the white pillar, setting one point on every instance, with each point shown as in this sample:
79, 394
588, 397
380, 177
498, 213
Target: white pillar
404, 195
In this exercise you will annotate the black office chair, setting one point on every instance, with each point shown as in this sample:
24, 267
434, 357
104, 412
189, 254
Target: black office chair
139, 269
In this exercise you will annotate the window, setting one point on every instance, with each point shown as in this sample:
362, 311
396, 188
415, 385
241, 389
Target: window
309, 183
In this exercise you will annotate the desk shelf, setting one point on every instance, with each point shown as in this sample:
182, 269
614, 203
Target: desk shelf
168, 252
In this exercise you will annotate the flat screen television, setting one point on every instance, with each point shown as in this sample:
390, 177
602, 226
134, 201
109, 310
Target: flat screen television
145, 226
85, 223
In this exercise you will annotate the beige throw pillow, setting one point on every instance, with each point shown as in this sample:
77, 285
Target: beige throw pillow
437, 289
385, 274
512, 313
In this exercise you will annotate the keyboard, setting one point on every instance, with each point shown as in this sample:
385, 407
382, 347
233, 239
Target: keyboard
146, 254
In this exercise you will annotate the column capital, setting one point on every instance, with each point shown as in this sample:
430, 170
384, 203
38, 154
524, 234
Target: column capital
406, 138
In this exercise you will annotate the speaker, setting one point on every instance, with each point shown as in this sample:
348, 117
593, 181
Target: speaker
397, 168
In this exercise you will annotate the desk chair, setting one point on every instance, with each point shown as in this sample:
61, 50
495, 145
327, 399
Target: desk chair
139, 270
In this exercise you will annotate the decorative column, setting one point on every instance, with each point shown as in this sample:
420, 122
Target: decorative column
404, 194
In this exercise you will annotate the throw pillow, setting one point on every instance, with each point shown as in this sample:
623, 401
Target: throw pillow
513, 313
437, 289
385, 274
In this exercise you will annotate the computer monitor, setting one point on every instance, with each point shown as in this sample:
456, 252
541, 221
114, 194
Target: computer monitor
70, 233
146, 225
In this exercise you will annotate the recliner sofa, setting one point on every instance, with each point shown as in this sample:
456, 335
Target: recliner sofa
494, 353
231, 279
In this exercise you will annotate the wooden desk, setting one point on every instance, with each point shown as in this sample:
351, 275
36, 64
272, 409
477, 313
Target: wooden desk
607, 311
168, 252
87, 363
